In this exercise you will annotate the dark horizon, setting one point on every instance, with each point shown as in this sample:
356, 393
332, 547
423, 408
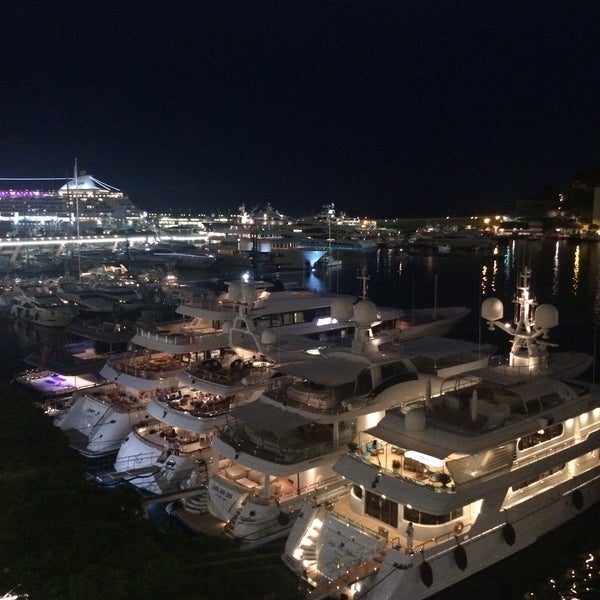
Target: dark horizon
384, 109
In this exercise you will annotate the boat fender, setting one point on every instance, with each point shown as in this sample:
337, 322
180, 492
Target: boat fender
460, 556
283, 518
426, 573
458, 528
508, 533
577, 499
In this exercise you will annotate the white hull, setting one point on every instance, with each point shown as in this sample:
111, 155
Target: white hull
253, 520
383, 570
151, 463
42, 316
485, 545
96, 428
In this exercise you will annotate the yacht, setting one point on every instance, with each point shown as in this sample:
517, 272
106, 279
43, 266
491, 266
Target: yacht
179, 254
59, 371
282, 323
39, 304
170, 450
278, 451
460, 479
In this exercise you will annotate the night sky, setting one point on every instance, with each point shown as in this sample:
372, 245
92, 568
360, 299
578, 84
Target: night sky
387, 109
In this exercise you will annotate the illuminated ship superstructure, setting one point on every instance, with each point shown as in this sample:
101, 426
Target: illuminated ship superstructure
83, 198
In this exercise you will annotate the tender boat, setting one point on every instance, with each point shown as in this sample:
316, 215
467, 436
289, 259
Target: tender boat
482, 469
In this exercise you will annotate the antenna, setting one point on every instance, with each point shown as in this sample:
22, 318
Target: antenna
363, 277
75, 175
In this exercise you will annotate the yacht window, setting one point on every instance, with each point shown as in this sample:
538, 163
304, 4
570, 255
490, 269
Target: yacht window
424, 518
364, 382
539, 437
539, 477
381, 508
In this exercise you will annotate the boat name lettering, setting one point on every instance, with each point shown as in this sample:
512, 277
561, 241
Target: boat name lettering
221, 491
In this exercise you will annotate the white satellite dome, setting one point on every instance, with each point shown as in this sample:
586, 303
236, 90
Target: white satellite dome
365, 312
248, 293
492, 309
235, 292
341, 309
414, 420
546, 316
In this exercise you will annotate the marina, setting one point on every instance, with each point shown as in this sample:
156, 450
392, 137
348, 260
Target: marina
192, 507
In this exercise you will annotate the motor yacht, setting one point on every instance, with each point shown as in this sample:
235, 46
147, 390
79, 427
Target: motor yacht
39, 304
278, 451
483, 468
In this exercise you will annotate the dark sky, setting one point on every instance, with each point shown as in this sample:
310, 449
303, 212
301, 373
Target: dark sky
403, 108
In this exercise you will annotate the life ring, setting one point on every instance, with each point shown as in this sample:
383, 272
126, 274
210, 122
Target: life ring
458, 528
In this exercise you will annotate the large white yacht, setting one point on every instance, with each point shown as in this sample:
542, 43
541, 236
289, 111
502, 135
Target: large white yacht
280, 449
39, 304
170, 450
496, 459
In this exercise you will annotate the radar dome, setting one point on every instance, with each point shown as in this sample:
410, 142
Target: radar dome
546, 316
492, 309
414, 420
248, 293
365, 312
341, 309
268, 337
235, 292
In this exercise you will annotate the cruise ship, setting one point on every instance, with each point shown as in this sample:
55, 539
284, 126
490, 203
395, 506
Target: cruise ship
446, 485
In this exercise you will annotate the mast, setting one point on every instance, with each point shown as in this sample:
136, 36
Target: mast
363, 277
75, 175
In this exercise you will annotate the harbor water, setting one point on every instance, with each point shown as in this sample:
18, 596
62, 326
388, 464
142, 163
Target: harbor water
564, 274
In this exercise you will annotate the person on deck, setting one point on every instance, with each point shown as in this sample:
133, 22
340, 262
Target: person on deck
410, 534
